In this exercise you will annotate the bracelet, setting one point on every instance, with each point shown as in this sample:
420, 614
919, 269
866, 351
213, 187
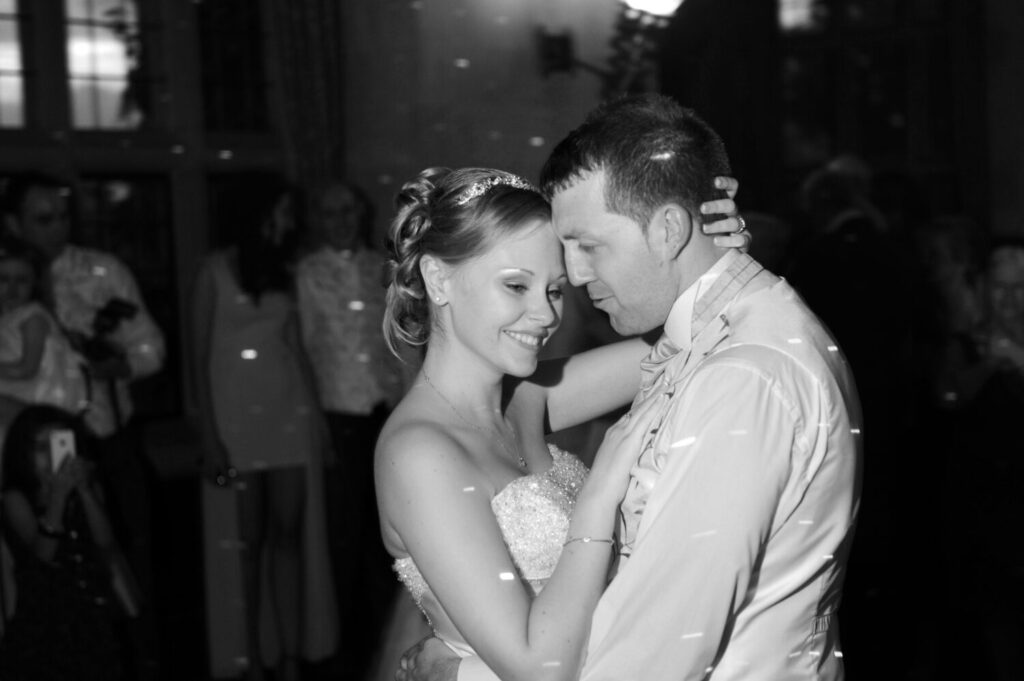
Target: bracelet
587, 540
48, 530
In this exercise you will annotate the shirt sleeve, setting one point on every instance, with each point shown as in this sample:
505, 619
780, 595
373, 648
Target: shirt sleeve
715, 475
139, 337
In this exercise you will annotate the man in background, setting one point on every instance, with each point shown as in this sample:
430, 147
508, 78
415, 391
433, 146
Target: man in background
341, 307
98, 303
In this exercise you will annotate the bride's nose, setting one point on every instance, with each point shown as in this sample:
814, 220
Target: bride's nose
543, 312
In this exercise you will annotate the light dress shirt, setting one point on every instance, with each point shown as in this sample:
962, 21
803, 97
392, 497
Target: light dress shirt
341, 298
84, 280
738, 519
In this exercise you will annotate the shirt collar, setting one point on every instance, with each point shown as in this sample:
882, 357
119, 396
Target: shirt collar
679, 325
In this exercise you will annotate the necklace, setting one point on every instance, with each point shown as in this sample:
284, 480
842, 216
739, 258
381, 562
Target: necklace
514, 454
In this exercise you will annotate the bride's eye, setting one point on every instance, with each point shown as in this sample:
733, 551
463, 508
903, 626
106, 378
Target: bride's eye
516, 287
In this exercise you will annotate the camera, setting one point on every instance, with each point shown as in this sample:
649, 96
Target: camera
97, 347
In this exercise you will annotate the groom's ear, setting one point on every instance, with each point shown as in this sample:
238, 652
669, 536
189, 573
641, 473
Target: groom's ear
671, 229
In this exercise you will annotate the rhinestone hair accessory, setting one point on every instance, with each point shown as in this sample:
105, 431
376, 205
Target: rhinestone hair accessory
483, 186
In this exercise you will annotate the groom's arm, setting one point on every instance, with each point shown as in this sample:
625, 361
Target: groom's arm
721, 461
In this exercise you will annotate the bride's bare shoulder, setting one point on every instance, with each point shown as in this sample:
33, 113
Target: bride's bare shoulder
414, 441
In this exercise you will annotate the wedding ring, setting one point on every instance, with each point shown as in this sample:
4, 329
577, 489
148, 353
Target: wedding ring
743, 224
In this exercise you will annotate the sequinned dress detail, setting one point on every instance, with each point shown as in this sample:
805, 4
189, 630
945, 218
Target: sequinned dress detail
533, 513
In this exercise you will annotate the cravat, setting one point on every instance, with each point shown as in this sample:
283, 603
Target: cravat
653, 365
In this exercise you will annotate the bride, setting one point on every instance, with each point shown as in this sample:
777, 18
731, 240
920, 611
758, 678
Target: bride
503, 541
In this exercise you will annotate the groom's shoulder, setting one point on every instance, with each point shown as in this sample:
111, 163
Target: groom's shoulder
775, 328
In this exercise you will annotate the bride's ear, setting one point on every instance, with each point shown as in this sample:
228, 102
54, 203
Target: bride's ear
435, 277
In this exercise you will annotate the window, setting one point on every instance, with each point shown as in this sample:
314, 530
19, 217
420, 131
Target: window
108, 87
12, 83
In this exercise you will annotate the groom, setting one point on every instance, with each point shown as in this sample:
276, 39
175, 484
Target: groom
739, 516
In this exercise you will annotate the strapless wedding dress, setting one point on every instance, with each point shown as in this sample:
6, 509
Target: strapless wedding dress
533, 513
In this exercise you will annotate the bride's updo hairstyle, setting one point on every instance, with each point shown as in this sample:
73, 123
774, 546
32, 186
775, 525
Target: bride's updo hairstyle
454, 216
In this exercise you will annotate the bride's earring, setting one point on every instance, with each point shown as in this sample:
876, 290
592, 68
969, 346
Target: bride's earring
434, 274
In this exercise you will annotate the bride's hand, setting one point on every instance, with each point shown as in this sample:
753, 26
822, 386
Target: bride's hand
731, 231
623, 444
428, 660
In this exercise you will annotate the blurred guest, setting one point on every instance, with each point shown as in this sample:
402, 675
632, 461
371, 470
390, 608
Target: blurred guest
259, 422
37, 363
66, 618
984, 397
98, 303
1006, 305
852, 270
341, 307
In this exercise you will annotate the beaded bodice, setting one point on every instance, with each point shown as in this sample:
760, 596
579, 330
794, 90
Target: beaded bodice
533, 513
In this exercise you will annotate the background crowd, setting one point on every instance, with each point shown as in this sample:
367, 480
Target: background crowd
293, 382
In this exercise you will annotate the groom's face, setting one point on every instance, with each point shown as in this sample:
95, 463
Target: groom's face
612, 256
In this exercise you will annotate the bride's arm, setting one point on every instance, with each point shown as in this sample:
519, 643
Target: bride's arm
592, 383
434, 497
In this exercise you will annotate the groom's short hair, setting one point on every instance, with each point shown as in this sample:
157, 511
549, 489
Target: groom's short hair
653, 151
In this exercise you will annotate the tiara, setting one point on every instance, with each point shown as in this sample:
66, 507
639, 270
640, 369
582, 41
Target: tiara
483, 186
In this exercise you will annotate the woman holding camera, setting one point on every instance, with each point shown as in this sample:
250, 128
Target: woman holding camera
66, 613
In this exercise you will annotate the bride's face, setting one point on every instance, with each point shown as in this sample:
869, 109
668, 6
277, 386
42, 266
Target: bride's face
505, 304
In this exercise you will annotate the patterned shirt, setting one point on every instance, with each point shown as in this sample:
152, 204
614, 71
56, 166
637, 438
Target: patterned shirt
84, 281
341, 307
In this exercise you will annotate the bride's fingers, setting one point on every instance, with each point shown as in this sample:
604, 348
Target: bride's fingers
730, 184
718, 207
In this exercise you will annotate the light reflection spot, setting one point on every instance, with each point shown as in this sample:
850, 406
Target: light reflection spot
552, 663
225, 154
363, 357
833, 348
506, 576
838, 653
537, 141
249, 353
99, 271
471, 488
662, 156
356, 305
697, 634
701, 535
685, 442
828, 556
738, 431
794, 341
461, 63
805, 522
855, 431
792, 655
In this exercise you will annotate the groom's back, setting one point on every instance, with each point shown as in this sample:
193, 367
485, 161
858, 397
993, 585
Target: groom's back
788, 627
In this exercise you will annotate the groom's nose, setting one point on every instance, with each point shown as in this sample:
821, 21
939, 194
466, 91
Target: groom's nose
577, 267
